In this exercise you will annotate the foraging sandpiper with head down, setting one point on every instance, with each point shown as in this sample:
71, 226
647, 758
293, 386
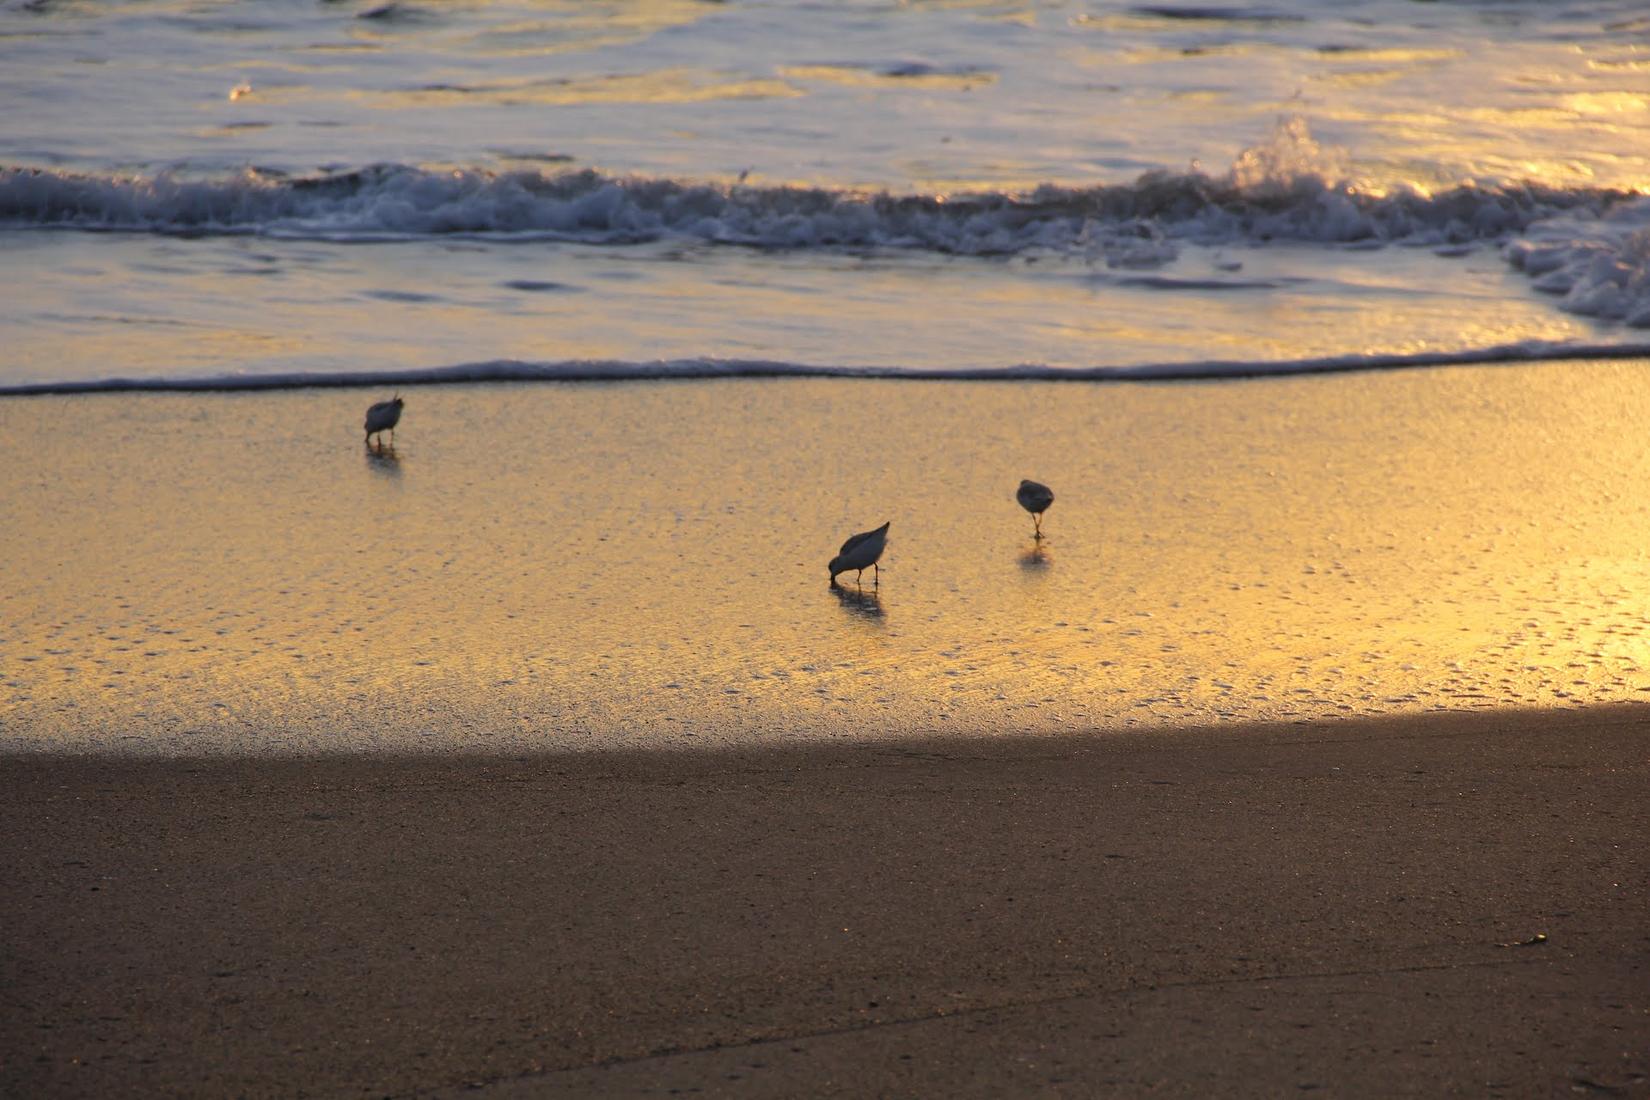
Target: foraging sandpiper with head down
860, 553
1035, 498
383, 417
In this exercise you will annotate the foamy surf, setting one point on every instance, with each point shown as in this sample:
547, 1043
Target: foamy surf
399, 202
1591, 246
1597, 266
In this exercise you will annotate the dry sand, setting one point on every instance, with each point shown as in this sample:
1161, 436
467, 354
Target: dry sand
1340, 908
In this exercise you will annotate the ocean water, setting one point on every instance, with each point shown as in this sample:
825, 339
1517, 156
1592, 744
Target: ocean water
681, 293
239, 192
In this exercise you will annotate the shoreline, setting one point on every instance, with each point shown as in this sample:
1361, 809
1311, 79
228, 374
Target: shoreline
1216, 911
716, 368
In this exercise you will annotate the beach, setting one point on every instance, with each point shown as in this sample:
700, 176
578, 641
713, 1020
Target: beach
1306, 754
532, 747
1448, 905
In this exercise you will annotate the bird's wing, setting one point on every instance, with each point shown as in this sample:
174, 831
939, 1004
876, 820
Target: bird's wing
855, 540
1030, 492
383, 415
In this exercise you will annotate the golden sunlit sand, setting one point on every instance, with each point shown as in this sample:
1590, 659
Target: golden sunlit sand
610, 565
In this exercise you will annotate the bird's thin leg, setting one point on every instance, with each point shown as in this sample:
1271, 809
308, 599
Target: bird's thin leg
1037, 518
859, 578
876, 575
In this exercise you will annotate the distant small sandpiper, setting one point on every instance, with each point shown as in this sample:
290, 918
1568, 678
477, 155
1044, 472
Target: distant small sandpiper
383, 417
1035, 498
860, 553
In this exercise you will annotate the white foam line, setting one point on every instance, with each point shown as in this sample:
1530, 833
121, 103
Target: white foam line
596, 370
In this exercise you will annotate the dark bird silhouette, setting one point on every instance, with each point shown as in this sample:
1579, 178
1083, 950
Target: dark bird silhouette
383, 417
1035, 498
860, 553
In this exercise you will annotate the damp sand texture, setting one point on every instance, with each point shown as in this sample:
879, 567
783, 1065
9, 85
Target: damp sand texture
563, 566
1436, 905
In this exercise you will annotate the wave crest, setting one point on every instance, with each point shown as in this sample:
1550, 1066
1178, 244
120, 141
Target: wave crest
1287, 190
1590, 246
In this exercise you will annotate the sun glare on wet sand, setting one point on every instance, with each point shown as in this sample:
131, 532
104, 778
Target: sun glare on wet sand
1291, 549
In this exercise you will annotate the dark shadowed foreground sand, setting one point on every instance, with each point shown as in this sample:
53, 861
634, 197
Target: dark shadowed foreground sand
1343, 908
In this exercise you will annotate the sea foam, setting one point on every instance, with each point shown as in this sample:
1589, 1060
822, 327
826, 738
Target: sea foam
1600, 267
1588, 245
387, 202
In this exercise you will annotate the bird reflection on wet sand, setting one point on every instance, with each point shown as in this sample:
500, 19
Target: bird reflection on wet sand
859, 603
1036, 558
383, 460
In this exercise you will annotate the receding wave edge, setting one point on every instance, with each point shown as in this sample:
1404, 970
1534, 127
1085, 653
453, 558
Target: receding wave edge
607, 370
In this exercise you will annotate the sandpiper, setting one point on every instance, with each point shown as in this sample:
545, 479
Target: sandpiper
1035, 498
383, 417
860, 553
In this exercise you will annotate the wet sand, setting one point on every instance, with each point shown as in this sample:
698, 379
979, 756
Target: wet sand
541, 568
1261, 911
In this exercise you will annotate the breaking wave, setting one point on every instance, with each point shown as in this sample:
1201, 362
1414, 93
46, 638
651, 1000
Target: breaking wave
1589, 245
396, 202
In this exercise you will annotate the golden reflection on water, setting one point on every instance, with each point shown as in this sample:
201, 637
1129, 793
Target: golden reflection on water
563, 25
1608, 103
894, 77
585, 565
1358, 78
658, 86
1392, 55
